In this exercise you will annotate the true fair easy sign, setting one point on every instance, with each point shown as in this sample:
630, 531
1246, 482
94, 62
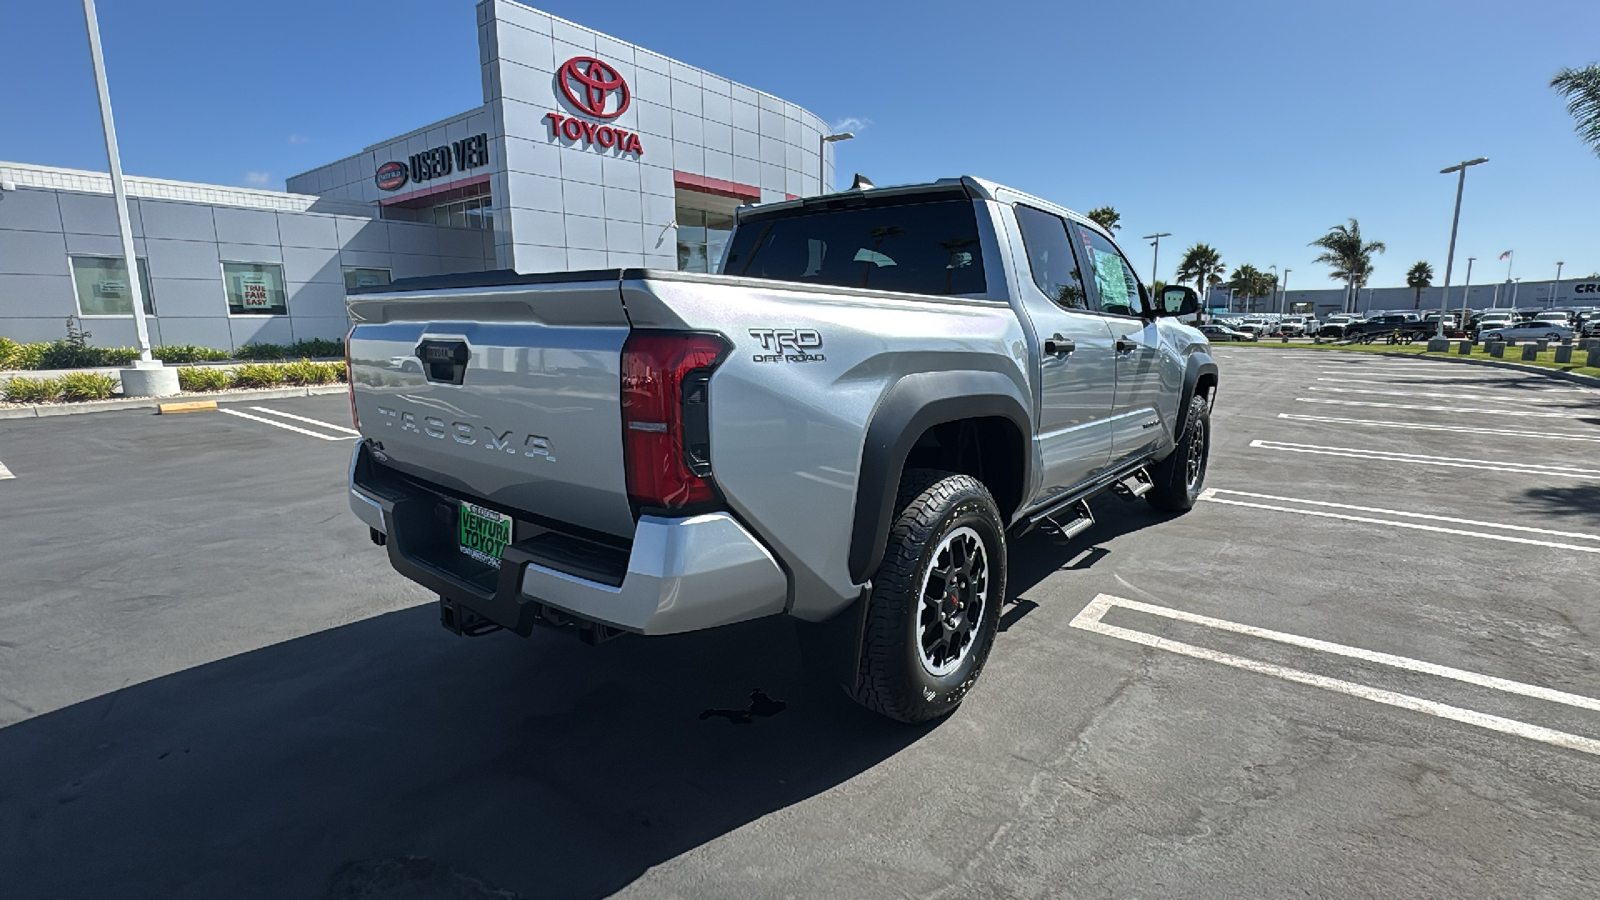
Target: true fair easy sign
595, 89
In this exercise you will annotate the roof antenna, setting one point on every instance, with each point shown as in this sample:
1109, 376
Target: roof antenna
862, 183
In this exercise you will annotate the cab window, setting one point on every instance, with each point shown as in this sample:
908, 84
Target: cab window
1051, 258
1114, 280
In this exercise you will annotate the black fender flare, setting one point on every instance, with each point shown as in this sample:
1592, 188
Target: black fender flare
911, 406
1199, 364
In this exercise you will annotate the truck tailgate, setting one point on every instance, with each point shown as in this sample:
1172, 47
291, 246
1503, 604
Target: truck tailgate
509, 395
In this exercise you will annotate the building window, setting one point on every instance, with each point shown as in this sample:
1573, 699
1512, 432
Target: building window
102, 286
472, 212
702, 236
359, 278
255, 289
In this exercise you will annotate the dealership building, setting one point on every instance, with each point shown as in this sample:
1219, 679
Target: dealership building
587, 152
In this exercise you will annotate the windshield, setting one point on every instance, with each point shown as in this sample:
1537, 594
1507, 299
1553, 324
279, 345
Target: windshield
918, 248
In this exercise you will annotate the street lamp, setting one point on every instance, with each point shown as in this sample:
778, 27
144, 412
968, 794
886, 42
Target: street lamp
1516, 284
1455, 221
1466, 292
1286, 291
1557, 285
135, 289
822, 158
1156, 256
1272, 302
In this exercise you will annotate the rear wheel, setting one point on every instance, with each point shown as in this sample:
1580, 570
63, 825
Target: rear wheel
1552, 336
935, 603
1181, 477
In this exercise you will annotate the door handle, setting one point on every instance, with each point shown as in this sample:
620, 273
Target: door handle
1126, 346
1057, 345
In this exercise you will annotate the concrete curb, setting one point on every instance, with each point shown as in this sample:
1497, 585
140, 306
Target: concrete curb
1496, 364
94, 406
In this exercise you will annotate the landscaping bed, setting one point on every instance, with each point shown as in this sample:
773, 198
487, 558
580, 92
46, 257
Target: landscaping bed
1545, 360
78, 387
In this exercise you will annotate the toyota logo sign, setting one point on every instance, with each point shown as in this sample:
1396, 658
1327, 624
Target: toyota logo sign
588, 85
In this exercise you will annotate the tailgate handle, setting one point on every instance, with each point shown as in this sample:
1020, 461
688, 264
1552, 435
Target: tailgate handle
444, 361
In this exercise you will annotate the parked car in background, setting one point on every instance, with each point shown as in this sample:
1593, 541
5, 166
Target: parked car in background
1336, 325
1591, 327
1216, 331
1537, 330
1293, 326
1393, 327
1255, 325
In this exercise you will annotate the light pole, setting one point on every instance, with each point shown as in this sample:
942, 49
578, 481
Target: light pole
1557, 285
1455, 221
1466, 292
1155, 258
1272, 302
1285, 303
135, 288
822, 158
1516, 284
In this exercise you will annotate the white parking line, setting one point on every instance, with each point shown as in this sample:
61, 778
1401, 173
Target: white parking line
1210, 494
1420, 426
1479, 382
1438, 396
328, 425
286, 426
1420, 459
1428, 408
1090, 620
5, 472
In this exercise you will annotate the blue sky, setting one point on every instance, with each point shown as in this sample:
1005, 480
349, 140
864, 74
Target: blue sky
1252, 126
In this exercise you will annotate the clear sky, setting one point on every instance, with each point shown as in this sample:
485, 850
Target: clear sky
1253, 126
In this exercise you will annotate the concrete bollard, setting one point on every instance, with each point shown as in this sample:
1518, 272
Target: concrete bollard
1564, 354
1464, 348
1285, 338
149, 379
1530, 351
1438, 345
1594, 357
1497, 349
1542, 344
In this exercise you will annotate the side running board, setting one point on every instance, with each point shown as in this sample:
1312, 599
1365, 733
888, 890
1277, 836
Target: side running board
1136, 485
1062, 529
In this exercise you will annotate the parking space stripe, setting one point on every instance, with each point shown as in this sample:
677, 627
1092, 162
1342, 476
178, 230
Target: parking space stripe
5, 472
1423, 426
1427, 408
286, 426
1477, 382
328, 425
1090, 619
1420, 459
1431, 395
1210, 495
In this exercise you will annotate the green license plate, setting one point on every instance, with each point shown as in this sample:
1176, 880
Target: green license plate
484, 533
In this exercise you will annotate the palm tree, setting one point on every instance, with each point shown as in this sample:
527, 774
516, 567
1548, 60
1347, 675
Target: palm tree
1250, 283
1419, 277
1349, 255
1581, 87
1201, 264
1106, 217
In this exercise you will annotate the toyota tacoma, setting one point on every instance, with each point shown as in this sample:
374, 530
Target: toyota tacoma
846, 426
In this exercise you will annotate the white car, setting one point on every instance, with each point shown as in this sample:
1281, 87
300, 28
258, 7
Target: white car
1527, 331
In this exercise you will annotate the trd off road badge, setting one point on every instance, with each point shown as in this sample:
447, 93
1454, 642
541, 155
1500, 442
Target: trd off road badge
788, 345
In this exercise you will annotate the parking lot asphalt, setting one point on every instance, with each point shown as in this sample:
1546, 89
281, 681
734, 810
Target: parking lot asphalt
1364, 665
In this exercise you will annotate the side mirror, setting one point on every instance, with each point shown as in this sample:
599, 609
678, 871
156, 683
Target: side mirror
1177, 300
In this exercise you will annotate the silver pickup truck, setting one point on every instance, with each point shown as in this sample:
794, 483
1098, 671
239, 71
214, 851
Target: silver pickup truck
844, 427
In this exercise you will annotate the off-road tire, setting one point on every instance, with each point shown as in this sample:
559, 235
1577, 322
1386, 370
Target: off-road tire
1176, 486
891, 678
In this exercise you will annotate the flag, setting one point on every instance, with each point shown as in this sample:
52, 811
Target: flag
1506, 255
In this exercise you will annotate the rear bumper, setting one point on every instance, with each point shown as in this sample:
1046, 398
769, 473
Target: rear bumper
681, 574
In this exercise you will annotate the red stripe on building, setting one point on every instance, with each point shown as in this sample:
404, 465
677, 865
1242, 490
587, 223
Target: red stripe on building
415, 198
716, 186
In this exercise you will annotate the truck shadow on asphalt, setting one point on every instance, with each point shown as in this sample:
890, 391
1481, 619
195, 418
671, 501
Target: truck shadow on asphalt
1038, 555
388, 758
1578, 504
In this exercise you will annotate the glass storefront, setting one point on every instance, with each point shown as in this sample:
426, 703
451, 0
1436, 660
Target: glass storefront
470, 213
702, 235
356, 278
255, 289
103, 289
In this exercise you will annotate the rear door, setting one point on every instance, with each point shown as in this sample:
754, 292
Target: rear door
1077, 373
509, 395
1144, 377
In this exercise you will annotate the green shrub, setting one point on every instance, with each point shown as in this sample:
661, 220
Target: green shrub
307, 372
203, 378
8, 349
185, 354
257, 376
27, 356
254, 351
316, 347
76, 386
33, 390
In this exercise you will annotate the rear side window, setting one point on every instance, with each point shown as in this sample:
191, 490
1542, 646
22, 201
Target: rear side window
1051, 257
916, 248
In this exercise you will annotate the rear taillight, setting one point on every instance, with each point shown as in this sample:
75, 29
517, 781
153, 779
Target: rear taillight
666, 434
350, 380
